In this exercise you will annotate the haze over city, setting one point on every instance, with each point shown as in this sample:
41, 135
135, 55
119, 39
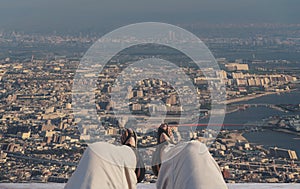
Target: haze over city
103, 16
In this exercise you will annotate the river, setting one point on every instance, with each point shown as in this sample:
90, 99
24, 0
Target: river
255, 114
282, 98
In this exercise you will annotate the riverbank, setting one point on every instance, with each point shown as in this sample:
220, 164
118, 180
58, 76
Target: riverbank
274, 138
237, 136
287, 131
250, 97
231, 108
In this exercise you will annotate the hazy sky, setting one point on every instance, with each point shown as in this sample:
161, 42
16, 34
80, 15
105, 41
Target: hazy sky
83, 15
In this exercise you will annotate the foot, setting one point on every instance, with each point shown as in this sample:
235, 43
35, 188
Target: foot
128, 137
165, 134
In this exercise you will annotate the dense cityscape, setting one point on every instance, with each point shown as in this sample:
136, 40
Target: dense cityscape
39, 137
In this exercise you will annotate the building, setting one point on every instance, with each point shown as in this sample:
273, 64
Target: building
140, 93
236, 67
112, 131
136, 107
171, 100
3, 157
283, 153
241, 82
238, 75
25, 135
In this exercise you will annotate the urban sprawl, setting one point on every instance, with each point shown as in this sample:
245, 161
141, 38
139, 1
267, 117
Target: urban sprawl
39, 136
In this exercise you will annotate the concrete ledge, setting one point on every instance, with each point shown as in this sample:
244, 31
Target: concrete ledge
151, 186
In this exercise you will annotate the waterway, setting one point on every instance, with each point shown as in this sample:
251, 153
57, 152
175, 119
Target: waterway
281, 98
272, 138
267, 138
253, 117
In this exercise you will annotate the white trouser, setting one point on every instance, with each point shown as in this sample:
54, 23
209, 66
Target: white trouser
189, 166
185, 166
105, 166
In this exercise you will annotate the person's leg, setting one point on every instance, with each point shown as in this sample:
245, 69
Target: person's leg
129, 138
189, 166
105, 166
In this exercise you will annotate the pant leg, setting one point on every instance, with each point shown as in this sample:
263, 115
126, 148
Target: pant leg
189, 166
105, 166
